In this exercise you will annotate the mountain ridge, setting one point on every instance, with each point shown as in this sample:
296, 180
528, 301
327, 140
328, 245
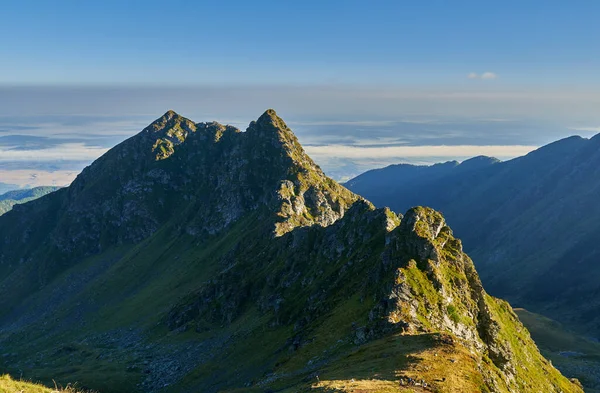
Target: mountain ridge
14, 197
534, 210
195, 257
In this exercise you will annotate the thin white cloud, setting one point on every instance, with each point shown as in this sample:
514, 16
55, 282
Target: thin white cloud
342, 162
586, 129
485, 76
367, 123
354, 152
35, 178
64, 152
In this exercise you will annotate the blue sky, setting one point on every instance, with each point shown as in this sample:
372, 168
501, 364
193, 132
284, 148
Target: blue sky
363, 84
258, 42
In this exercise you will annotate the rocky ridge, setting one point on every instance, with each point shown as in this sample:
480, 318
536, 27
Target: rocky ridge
235, 248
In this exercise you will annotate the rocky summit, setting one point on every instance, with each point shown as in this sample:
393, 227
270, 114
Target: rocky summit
194, 257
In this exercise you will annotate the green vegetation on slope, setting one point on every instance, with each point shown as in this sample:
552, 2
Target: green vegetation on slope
233, 263
573, 354
11, 198
531, 223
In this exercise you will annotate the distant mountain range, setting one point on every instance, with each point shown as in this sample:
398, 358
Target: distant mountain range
4, 187
532, 224
194, 257
11, 198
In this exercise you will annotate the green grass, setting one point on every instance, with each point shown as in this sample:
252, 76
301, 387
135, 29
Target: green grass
533, 368
379, 366
452, 313
325, 282
553, 339
552, 336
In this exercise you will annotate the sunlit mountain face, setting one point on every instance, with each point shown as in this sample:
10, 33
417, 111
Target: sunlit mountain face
191, 247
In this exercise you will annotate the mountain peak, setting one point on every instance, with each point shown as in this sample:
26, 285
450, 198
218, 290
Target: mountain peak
169, 118
201, 229
269, 124
171, 129
270, 118
269, 114
232, 172
170, 114
478, 162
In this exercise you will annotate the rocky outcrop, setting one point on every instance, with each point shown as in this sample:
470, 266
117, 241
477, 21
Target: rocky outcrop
200, 178
412, 266
235, 248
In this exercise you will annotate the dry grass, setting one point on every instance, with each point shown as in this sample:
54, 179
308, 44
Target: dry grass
380, 367
9, 385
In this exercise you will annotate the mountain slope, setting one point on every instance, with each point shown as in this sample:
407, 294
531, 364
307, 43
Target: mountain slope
11, 198
215, 177
402, 184
570, 352
530, 223
195, 257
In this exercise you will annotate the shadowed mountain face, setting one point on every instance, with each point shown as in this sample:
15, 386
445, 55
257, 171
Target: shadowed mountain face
196, 257
531, 223
403, 184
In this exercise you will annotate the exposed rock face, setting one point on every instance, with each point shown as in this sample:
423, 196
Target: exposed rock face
531, 224
440, 289
202, 176
412, 267
195, 257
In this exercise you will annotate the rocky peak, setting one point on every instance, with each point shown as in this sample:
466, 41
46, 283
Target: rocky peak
171, 130
216, 171
170, 114
438, 289
167, 121
270, 121
272, 134
424, 222
336, 265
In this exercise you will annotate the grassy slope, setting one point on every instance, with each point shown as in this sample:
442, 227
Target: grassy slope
136, 292
532, 224
105, 320
382, 365
575, 355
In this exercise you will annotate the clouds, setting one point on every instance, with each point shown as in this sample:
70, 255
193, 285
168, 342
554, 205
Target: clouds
54, 165
594, 130
424, 153
28, 178
485, 76
489, 75
63, 152
343, 162
53, 133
